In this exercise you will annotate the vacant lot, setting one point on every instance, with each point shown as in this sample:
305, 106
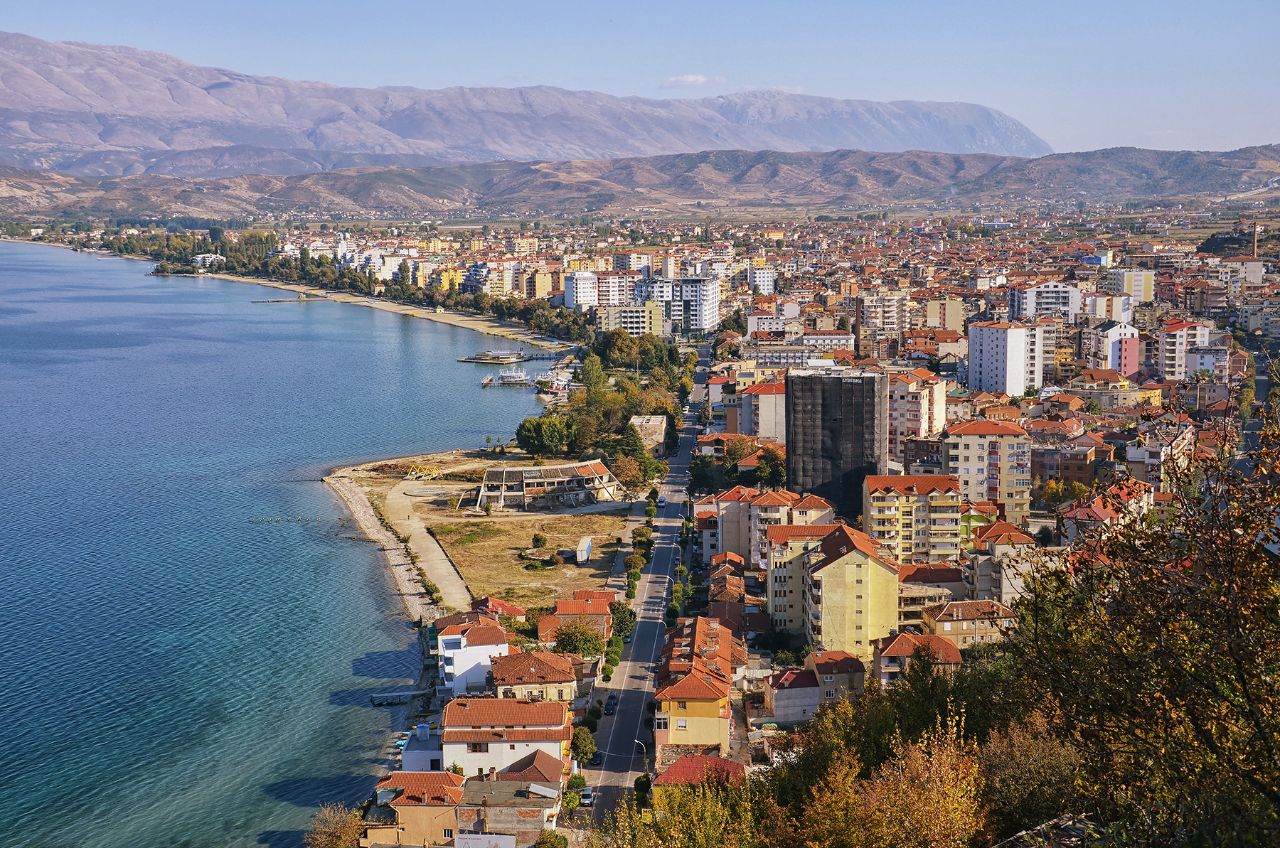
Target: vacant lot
487, 553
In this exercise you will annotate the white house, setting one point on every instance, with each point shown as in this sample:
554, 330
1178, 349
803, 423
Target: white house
466, 644
481, 735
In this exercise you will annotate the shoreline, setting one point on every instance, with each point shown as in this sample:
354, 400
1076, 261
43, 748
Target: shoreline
486, 325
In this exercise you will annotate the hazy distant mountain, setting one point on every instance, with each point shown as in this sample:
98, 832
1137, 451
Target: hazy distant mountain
105, 111
677, 183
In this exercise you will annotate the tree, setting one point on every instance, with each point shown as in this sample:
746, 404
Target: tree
772, 468
579, 638
632, 445
542, 436
551, 839
539, 540
404, 273
334, 826
628, 471
624, 618
1174, 622
1028, 777
592, 374
583, 745
925, 797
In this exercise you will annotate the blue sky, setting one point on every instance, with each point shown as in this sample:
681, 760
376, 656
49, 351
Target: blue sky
1083, 75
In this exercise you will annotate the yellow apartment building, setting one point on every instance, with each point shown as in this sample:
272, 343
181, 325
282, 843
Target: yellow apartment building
851, 593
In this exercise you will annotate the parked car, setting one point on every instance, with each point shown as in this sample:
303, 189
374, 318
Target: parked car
662, 500
586, 796
597, 759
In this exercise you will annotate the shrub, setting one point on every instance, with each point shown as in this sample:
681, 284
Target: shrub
539, 540
631, 591
577, 782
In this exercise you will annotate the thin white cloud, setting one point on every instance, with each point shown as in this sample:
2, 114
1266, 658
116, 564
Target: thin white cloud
690, 81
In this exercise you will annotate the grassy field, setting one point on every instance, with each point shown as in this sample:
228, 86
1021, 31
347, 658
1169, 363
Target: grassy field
487, 554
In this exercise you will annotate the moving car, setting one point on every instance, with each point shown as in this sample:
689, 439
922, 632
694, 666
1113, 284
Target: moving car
662, 500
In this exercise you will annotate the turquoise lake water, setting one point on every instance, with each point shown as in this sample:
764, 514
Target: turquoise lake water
178, 667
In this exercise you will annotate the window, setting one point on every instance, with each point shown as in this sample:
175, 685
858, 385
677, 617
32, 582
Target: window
511, 747
660, 723
681, 724
477, 747
682, 705
829, 694
448, 833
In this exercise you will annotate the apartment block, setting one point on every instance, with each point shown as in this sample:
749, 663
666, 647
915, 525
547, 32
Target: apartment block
634, 319
992, 460
790, 546
917, 408
1006, 357
1046, 298
1138, 283
851, 593
917, 517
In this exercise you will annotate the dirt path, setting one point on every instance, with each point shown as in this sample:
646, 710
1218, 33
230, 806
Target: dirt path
415, 599
398, 511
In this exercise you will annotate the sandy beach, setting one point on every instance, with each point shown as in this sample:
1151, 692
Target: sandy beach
479, 323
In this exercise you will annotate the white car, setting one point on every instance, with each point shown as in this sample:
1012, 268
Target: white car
586, 796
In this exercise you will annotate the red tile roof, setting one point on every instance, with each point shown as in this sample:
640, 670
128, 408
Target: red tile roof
907, 644
424, 788
913, 484
781, 534
693, 769
503, 712
985, 428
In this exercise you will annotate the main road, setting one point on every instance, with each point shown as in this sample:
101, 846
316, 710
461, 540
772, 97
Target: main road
623, 738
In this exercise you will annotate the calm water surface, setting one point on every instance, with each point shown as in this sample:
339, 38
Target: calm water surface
173, 670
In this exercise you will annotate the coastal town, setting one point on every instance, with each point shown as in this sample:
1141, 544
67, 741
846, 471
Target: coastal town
870, 434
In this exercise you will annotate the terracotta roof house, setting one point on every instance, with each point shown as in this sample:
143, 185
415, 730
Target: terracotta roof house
893, 655
413, 808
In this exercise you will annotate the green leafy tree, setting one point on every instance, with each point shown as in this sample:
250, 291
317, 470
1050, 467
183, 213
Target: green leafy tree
592, 374
624, 618
579, 638
583, 745
772, 469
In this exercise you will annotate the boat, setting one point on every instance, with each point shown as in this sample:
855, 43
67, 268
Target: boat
513, 377
495, 357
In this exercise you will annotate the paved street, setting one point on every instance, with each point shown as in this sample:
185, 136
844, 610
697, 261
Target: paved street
633, 680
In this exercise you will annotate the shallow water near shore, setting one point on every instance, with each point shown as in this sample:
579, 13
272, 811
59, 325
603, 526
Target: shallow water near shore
189, 626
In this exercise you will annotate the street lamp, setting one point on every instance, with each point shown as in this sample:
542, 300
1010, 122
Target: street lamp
644, 755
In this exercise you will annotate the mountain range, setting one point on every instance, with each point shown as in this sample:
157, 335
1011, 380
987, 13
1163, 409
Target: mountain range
680, 183
93, 110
